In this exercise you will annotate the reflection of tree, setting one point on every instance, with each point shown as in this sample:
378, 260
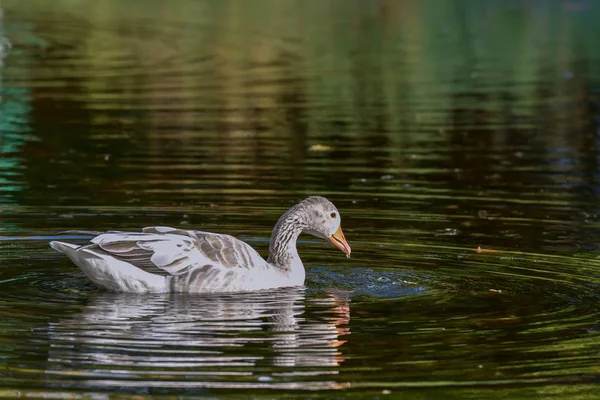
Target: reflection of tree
220, 101
204, 335
14, 125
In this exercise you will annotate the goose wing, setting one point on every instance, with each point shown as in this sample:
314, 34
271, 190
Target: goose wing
168, 251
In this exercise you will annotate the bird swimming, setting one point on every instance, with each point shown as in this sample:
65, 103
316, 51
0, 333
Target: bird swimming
163, 259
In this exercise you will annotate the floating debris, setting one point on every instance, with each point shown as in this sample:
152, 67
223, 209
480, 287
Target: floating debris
480, 250
319, 147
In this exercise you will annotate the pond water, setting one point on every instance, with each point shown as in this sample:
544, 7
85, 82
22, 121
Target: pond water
459, 140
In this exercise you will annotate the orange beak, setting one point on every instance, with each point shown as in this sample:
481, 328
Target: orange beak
339, 241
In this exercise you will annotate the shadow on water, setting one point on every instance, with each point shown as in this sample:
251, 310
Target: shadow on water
458, 140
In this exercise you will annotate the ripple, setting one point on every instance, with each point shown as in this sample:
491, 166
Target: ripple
523, 320
433, 143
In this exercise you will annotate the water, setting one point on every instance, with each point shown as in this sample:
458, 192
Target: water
458, 140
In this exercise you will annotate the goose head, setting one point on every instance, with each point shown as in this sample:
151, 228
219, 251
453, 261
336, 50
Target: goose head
323, 220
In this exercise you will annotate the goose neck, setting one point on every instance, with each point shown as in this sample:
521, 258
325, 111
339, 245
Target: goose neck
282, 246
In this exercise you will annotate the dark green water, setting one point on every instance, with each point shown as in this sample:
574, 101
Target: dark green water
435, 127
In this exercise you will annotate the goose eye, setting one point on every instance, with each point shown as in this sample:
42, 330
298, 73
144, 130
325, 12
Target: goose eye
333, 215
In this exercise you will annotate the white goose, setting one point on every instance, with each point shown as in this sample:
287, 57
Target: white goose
162, 259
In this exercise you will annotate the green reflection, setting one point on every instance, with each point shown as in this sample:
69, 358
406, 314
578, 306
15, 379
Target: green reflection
14, 109
436, 126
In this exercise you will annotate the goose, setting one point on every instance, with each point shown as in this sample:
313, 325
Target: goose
162, 259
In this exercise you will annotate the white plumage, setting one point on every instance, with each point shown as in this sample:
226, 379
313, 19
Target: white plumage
164, 259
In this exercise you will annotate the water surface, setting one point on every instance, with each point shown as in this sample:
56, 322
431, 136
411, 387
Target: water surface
458, 140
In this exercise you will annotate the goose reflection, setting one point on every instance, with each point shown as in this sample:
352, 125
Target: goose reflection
205, 335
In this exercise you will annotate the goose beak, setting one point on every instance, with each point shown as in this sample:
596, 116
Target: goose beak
339, 241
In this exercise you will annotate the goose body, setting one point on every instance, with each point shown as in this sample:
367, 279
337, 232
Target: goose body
163, 259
